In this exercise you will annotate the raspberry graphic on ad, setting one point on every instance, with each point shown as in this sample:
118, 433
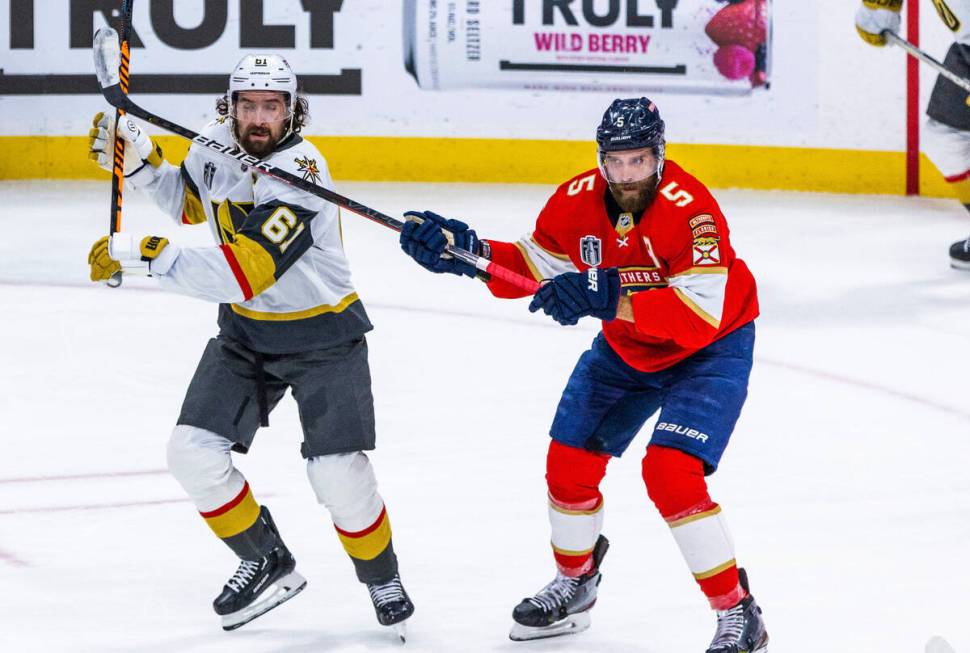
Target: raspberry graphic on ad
740, 29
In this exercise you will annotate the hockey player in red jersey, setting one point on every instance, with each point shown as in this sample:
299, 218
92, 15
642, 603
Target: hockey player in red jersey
642, 245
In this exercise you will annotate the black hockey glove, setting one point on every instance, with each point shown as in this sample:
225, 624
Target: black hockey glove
573, 295
425, 236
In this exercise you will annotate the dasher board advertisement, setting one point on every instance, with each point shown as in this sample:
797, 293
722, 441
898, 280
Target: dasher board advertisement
700, 46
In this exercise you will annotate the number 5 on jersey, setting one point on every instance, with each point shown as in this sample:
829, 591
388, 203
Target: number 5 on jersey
278, 227
679, 197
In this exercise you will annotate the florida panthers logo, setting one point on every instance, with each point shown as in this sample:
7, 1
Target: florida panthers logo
309, 169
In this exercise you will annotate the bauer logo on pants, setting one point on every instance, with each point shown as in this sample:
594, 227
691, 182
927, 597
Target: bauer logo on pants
591, 250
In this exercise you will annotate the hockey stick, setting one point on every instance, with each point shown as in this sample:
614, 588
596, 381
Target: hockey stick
913, 51
113, 92
118, 172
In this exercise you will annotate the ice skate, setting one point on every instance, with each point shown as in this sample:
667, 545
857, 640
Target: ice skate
258, 586
740, 629
561, 607
960, 254
392, 604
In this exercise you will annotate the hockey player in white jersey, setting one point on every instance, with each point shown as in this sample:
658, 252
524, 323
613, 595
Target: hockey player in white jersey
946, 133
288, 318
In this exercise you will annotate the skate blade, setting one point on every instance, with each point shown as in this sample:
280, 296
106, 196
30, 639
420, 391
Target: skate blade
401, 629
574, 623
279, 592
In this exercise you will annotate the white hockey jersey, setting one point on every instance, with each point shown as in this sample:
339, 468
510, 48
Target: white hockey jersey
278, 270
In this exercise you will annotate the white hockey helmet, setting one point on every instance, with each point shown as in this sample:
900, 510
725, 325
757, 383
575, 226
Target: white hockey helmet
264, 72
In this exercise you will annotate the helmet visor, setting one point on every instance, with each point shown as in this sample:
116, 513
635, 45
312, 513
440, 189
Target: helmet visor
628, 166
261, 107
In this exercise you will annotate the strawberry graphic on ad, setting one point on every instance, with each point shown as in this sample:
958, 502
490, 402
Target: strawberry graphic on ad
740, 30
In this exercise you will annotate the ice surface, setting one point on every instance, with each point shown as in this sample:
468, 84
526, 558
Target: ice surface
845, 484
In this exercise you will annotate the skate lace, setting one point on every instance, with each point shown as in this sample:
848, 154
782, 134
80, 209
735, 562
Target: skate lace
556, 593
389, 592
247, 570
730, 626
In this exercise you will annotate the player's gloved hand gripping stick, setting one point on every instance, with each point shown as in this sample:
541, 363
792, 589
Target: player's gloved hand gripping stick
108, 64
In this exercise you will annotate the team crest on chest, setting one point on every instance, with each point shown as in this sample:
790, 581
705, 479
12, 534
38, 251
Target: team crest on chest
706, 251
591, 250
209, 174
309, 169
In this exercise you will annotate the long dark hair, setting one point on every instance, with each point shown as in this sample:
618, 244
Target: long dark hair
301, 111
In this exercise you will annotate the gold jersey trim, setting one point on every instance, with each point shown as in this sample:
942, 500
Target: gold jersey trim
340, 307
701, 313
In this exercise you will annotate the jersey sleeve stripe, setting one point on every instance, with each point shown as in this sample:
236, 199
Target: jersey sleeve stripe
542, 263
701, 313
237, 272
528, 261
255, 263
561, 257
700, 270
192, 211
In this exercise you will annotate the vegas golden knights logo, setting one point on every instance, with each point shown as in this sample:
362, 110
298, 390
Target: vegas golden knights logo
946, 15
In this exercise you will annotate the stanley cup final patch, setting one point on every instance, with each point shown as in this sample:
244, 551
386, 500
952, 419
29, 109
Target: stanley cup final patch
209, 174
706, 251
591, 250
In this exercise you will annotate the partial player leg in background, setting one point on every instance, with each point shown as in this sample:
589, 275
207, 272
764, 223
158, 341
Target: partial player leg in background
946, 138
201, 461
949, 150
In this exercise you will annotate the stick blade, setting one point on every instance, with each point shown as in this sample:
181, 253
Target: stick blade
107, 57
938, 645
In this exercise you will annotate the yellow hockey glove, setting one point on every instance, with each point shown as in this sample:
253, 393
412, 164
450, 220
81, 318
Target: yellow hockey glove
102, 265
875, 16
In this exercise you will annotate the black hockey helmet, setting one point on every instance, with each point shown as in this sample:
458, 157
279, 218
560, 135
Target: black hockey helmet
631, 124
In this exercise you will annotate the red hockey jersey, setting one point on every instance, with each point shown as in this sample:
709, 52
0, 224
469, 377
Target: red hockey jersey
676, 262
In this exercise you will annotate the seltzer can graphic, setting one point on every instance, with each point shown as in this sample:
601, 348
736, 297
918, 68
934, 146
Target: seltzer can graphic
691, 46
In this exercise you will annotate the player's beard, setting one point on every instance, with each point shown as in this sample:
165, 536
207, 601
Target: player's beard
637, 196
259, 148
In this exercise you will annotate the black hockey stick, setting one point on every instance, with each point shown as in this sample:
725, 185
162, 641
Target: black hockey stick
113, 92
118, 171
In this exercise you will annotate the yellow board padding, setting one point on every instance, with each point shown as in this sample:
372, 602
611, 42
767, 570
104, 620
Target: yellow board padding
373, 158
